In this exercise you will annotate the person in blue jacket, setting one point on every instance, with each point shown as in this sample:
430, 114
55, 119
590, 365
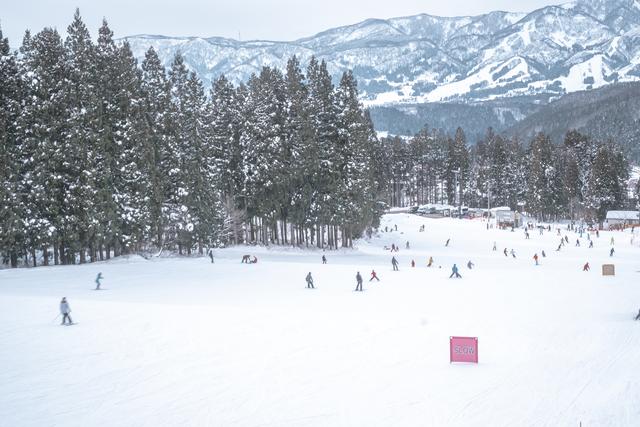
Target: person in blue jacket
454, 272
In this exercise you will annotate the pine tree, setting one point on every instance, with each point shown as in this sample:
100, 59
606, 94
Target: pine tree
12, 210
158, 154
80, 143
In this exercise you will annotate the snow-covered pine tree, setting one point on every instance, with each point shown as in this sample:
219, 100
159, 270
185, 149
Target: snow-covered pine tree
176, 208
80, 143
159, 156
607, 188
223, 116
542, 185
131, 176
43, 148
12, 211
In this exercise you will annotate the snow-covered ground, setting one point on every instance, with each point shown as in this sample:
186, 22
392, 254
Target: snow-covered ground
185, 342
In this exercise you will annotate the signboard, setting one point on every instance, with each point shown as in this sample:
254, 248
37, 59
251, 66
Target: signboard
608, 270
463, 349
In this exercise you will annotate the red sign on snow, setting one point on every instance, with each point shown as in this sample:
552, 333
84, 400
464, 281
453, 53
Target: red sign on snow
463, 349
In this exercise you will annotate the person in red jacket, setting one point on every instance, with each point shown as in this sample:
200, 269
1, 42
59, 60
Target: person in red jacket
535, 258
374, 276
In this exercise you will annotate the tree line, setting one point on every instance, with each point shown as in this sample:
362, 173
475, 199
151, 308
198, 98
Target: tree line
580, 178
101, 156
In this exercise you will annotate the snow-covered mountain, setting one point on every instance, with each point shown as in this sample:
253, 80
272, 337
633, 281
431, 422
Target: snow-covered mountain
538, 55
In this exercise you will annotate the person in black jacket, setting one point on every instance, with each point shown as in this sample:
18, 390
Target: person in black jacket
359, 282
309, 281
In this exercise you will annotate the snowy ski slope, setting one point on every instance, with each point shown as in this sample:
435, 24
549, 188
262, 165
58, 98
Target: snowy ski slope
183, 342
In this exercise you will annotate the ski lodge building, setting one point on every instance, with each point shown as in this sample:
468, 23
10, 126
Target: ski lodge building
617, 220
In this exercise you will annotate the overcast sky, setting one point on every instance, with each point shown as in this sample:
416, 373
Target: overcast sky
247, 19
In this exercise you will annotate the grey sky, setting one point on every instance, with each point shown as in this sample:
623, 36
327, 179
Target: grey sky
251, 19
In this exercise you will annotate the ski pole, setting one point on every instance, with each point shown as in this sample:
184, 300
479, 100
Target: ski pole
55, 318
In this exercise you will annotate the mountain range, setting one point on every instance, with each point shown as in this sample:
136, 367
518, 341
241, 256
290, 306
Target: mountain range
503, 64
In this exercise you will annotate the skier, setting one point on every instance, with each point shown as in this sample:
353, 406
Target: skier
611, 252
394, 263
454, 272
566, 238
430, 263
393, 247
578, 243
374, 276
447, 244
245, 259
535, 258
526, 234
65, 310
586, 267
309, 281
598, 234
513, 253
470, 265
413, 263
386, 229
494, 246
98, 278
590, 244
505, 252
359, 282
396, 225
407, 245
612, 241
324, 259
211, 255
544, 255
638, 316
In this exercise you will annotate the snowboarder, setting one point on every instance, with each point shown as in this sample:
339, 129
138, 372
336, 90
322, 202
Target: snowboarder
407, 245
324, 259
454, 272
590, 244
359, 282
374, 276
586, 267
611, 252
430, 263
535, 258
211, 255
98, 278
495, 248
413, 263
447, 244
470, 265
65, 310
309, 281
394, 263
513, 253
638, 316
